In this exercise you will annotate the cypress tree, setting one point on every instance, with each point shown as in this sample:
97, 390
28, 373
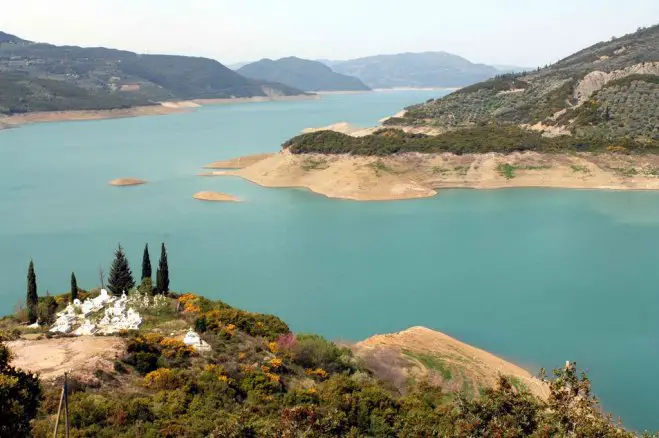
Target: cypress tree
146, 263
32, 299
121, 277
162, 276
74, 287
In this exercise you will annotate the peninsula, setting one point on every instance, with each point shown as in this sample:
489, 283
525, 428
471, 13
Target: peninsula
590, 121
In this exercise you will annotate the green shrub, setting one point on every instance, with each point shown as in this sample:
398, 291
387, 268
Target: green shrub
315, 352
20, 394
254, 324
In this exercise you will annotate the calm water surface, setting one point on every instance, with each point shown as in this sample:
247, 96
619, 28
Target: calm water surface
535, 276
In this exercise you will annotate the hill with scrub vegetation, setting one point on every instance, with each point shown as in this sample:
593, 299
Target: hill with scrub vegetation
254, 377
418, 70
45, 77
303, 74
603, 98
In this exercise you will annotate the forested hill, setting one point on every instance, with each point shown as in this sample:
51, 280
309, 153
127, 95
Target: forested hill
108, 76
608, 91
11, 39
303, 74
429, 69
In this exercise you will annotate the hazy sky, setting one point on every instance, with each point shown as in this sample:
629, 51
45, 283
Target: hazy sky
520, 32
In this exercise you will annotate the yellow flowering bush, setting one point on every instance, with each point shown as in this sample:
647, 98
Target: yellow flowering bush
273, 377
614, 148
153, 338
187, 297
162, 378
318, 372
191, 308
175, 348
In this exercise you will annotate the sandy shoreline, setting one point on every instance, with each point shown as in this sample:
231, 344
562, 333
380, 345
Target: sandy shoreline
413, 176
417, 89
163, 108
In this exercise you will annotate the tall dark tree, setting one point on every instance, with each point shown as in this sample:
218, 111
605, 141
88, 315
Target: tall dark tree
32, 299
121, 277
74, 287
162, 275
146, 263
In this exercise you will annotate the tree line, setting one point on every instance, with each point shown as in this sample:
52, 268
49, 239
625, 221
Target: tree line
120, 280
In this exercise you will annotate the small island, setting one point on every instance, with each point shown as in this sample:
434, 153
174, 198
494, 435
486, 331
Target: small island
122, 182
215, 197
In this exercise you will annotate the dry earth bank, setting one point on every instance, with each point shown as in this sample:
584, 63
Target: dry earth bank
414, 175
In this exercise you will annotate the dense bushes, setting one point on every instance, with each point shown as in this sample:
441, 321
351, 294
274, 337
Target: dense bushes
147, 353
254, 324
490, 137
314, 352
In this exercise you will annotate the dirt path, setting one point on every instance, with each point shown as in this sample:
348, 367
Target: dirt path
81, 356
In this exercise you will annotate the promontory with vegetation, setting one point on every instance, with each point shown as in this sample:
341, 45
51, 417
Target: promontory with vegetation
590, 120
140, 360
301, 73
38, 77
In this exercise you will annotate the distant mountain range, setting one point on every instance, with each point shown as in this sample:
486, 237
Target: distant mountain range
10, 39
44, 77
303, 74
429, 69
414, 70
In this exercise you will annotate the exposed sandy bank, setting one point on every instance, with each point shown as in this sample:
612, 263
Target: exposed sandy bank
339, 92
410, 176
381, 90
237, 163
356, 131
272, 98
163, 108
63, 116
215, 197
82, 356
421, 353
121, 182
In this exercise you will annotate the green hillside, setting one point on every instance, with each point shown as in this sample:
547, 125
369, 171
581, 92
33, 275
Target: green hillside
603, 98
303, 74
112, 76
429, 69
608, 91
10, 39
22, 94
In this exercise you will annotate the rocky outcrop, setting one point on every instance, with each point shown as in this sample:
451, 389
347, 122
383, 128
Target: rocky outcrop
594, 81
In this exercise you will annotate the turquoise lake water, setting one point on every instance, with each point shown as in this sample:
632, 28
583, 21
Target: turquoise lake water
535, 276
